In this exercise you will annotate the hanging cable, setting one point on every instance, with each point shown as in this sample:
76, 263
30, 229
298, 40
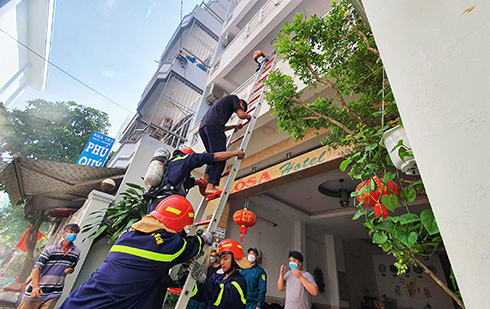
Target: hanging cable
73, 77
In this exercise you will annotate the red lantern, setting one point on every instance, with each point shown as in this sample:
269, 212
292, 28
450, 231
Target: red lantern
373, 198
245, 218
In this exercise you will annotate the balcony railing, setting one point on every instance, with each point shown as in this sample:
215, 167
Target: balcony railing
254, 22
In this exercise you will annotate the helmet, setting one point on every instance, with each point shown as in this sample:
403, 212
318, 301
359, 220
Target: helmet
184, 150
257, 54
176, 212
232, 246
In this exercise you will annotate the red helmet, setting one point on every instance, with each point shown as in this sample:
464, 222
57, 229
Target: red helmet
176, 212
257, 54
232, 246
184, 150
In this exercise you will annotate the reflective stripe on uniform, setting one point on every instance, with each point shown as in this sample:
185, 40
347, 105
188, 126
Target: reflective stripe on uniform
200, 244
194, 291
237, 286
150, 255
218, 300
178, 158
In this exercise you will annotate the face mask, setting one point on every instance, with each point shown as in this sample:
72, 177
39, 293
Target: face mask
251, 258
293, 265
212, 259
71, 237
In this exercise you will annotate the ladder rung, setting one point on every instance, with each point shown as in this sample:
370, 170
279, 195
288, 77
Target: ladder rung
202, 223
260, 80
244, 124
225, 174
266, 69
256, 97
270, 61
250, 110
261, 86
238, 139
174, 290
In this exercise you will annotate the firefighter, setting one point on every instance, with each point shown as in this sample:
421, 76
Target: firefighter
226, 289
177, 179
139, 261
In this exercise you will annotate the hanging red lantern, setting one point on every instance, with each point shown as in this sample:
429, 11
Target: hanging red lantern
371, 198
380, 210
245, 218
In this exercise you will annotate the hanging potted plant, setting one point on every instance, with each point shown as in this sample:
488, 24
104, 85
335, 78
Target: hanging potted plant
398, 146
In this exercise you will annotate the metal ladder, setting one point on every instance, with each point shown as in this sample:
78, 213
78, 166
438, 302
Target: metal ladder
255, 95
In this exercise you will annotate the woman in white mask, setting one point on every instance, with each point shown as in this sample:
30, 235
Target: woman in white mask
256, 281
214, 264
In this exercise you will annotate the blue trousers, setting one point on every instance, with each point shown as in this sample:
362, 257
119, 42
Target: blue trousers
215, 141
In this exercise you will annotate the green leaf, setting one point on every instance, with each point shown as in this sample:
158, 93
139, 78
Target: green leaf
100, 231
408, 239
386, 246
385, 226
379, 238
389, 201
359, 213
344, 164
409, 218
408, 194
372, 166
371, 147
389, 176
429, 221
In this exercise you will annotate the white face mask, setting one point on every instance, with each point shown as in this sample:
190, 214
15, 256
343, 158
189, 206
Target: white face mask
251, 258
212, 259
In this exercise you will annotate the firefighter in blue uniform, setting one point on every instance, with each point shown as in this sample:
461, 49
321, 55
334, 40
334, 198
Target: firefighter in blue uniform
226, 290
256, 281
212, 131
130, 275
177, 179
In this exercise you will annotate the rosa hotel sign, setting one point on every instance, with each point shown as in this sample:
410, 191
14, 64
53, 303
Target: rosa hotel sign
315, 162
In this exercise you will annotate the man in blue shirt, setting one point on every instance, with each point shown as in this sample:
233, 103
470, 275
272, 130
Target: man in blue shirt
212, 132
134, 267
177, 179
256, 281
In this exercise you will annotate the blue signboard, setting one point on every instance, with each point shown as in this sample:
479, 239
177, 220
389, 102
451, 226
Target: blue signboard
96, 150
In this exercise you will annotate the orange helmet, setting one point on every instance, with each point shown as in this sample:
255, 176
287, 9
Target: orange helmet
257, 54
232, 246
176, 212
184, 150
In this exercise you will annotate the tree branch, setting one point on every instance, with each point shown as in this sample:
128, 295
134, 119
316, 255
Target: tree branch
443, 286
366, 40
334, 88
335, 122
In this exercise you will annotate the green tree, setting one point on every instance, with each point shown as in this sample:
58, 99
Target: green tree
56, 131
46, 130
338, 53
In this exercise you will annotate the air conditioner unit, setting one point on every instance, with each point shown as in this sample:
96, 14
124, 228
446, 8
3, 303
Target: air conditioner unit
214, 94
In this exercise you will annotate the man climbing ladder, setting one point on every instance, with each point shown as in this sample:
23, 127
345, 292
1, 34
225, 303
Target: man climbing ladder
255, 96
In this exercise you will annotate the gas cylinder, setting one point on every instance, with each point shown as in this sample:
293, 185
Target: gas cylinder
156, 169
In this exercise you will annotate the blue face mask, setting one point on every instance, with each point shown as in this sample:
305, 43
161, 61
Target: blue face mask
293, 265
71, 237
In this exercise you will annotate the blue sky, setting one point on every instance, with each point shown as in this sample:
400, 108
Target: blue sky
111, 45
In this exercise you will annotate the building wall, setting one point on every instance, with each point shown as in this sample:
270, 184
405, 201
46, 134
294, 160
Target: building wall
436, 57
411, 289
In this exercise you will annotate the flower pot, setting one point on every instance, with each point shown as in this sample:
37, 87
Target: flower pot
391, 139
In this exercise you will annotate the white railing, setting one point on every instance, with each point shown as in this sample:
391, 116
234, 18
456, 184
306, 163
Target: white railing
254, 22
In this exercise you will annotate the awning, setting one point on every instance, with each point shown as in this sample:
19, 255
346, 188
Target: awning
54, 184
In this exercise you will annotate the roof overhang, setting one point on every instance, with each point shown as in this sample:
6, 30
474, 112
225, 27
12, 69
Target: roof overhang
51, 184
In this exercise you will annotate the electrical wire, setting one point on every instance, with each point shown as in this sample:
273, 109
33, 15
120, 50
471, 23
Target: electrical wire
65, 72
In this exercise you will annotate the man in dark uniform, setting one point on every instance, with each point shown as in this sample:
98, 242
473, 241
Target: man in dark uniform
227, 289
131, 274
212, 132
256, 281
177, 179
